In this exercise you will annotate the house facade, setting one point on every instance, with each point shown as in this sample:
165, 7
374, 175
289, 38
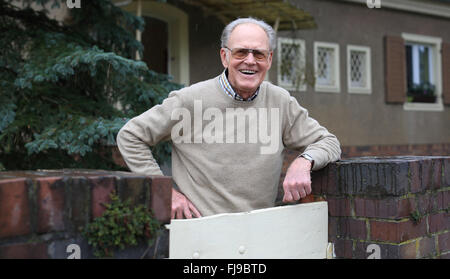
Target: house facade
376, 76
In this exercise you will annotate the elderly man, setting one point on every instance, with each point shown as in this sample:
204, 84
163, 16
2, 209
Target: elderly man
219, 166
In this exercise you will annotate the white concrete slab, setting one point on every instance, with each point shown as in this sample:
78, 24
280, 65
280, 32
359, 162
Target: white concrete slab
295, 231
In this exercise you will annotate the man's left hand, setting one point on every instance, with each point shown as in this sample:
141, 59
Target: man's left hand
297, 183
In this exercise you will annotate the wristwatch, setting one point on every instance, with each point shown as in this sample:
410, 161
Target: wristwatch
307, 157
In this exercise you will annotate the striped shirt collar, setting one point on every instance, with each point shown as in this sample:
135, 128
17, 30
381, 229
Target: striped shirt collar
226, 86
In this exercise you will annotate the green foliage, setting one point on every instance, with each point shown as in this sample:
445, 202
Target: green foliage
120, 226
66, 88
415, 216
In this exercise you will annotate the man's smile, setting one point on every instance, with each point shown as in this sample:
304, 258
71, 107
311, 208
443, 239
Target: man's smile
248, 72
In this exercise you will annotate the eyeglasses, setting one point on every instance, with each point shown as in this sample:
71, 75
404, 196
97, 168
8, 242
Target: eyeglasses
241, 53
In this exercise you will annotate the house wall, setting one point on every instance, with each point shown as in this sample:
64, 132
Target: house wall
356, 119
367, 119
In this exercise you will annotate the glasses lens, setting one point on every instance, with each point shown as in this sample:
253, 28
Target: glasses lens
259, 55
240, 53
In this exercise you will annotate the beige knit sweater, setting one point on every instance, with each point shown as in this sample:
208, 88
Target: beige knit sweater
226, 154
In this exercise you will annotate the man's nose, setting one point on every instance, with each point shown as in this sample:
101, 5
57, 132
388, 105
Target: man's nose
250, 59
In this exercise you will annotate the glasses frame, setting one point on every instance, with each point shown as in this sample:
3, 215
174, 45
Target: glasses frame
265, 52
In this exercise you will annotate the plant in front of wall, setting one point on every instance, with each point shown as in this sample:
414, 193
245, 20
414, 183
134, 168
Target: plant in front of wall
121, 226
415, 216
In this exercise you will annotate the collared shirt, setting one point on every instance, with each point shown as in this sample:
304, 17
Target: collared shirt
226, 86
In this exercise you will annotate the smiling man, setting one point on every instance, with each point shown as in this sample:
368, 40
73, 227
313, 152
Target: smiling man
246, 70
220, 127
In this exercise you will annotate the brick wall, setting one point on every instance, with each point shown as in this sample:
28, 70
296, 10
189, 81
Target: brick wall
436, 149
400, 204
42, 212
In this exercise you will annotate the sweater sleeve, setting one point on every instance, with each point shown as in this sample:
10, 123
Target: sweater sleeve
141, 132
305, 134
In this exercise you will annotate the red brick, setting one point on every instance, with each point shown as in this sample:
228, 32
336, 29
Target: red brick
339, 206
331, 182
443, 200
102, 187
414, 169
318, 178
427, 174
384, 208
444, 242
24, 251
438, 222
133, 189
400, 173
436, 179
426, 203
343, 248
407, 251
397, 231
332, 228
161, 198
352, 228
50, 204
446, 178
14, 208
79, 202
427, 247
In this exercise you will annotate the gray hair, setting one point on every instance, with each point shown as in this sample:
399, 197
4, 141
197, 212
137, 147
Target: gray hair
267, 28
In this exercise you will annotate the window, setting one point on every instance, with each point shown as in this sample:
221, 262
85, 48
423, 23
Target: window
326, 67
419, 73
423, 72
358, 70
291, 64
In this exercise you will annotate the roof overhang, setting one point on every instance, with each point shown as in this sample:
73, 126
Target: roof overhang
439, 8
281, 14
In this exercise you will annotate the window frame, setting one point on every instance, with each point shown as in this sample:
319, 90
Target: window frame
368, 70
436, 43
335, 88
302, 60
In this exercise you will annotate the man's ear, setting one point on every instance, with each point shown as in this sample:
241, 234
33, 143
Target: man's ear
269, 60
224, 57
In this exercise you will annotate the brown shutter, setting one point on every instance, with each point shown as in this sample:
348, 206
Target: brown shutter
395, 70
446, 73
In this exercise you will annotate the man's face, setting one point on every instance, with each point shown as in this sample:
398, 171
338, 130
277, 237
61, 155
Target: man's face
246, 74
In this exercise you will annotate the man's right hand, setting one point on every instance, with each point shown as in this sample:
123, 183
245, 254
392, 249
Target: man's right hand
182, 207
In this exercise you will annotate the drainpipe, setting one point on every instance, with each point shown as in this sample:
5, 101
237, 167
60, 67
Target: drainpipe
277, 23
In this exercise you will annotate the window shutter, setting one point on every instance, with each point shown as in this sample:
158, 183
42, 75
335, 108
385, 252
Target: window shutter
395, 70
446, 73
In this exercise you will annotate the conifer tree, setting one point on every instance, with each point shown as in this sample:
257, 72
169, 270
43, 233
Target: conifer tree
66, 88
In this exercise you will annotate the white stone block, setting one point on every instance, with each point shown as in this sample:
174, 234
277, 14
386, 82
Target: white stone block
294, 231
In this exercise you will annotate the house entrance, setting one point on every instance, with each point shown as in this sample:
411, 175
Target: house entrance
155, 41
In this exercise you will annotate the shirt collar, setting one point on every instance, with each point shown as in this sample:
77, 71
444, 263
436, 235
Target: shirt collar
226, 86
